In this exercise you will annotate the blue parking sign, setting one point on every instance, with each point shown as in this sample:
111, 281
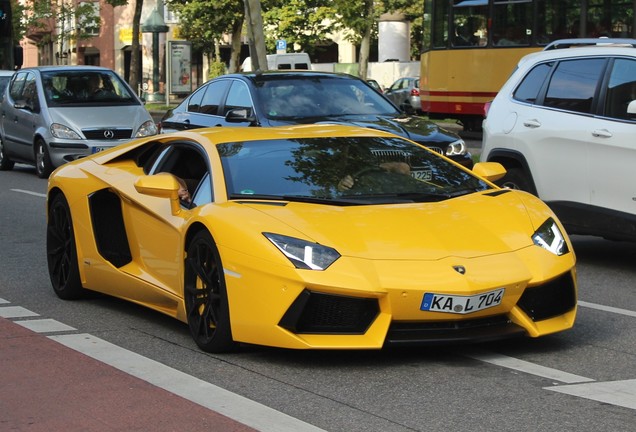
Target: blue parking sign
281, 45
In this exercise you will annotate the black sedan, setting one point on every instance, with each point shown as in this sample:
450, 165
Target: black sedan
279, 98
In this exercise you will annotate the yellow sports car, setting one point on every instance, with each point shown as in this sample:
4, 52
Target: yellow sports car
320, 236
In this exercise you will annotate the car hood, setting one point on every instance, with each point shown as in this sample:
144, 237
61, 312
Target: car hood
470, 226
412, 127
113, 117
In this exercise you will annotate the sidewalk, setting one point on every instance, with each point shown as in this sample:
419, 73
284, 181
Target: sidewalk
45, 386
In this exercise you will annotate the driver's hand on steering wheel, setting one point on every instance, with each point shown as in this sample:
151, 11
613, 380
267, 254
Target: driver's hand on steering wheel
348, 181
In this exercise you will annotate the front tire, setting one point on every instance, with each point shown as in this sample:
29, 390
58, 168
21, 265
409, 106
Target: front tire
43, 165
205, 296
6, 164
516, 178
61, 251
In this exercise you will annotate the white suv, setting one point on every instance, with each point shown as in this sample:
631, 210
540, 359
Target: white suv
564, 126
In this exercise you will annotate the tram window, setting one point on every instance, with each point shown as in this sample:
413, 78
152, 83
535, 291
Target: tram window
469, 23
528, 90
512, 23
573, 85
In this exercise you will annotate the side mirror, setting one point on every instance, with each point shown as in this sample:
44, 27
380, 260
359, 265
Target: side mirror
161, 185
631, 108
240, 115
491, 171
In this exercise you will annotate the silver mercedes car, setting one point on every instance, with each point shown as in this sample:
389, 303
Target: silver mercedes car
51, 115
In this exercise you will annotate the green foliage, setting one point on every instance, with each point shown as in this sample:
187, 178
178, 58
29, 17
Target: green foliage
305, 23
216, 69
204, 21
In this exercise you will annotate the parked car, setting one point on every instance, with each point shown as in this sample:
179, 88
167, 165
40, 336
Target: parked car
51, 115
5, 77
405, 92
563, 125
278, 98
376, 85
271, 251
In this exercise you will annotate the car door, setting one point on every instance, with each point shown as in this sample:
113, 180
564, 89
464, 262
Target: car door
396, 93
554, 134
611, 142
202, 108
158, 232
19, 111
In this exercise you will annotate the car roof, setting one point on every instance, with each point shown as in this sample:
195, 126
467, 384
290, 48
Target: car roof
6, 73
67, 68
279, 74
584, 47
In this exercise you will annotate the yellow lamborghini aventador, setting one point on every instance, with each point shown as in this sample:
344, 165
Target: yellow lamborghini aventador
316, 236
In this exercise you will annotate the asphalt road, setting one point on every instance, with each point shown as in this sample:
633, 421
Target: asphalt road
583, 379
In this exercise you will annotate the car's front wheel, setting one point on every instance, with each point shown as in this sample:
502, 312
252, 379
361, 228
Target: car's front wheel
43, 165
205, 296
5, 163
61, 251
516, 178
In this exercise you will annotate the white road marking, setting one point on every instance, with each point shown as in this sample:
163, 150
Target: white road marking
608, 309
16, 312
3, 301
45, 325
526, 367
29, 192
232, 405
620, 393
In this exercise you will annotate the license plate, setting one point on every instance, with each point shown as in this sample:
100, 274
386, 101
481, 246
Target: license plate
426, 175
99, 149
433, 302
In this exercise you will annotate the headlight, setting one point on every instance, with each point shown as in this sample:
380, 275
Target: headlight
304, 254
147, 129
550, 238
456, 148
63, 132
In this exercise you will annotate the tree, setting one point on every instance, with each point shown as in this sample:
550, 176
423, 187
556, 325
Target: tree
359, 16
203, 22
135, 59
59, 22
305, 23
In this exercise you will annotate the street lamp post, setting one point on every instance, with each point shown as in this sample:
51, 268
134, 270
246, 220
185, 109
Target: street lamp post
155, 25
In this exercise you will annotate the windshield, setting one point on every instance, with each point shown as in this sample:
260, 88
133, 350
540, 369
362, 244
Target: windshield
346, 170
282, 97
73, 88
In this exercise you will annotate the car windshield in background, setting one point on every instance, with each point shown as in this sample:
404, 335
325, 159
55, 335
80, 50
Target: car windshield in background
345, 171
63, 88
294, 98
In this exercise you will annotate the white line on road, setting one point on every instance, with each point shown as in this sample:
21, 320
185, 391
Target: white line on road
29, 192
526, 367
620, 393
198, 391
608, 308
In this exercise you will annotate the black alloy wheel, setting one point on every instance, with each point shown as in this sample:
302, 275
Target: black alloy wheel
205, 296
61, 251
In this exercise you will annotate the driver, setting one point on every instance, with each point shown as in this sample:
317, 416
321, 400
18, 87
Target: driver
348, 181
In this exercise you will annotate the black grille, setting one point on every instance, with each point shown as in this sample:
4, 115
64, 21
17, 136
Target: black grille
107, 134
435, 149
551, 299
314, 312
439, 332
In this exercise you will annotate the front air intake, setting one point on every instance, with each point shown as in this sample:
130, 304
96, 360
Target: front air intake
319, 313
